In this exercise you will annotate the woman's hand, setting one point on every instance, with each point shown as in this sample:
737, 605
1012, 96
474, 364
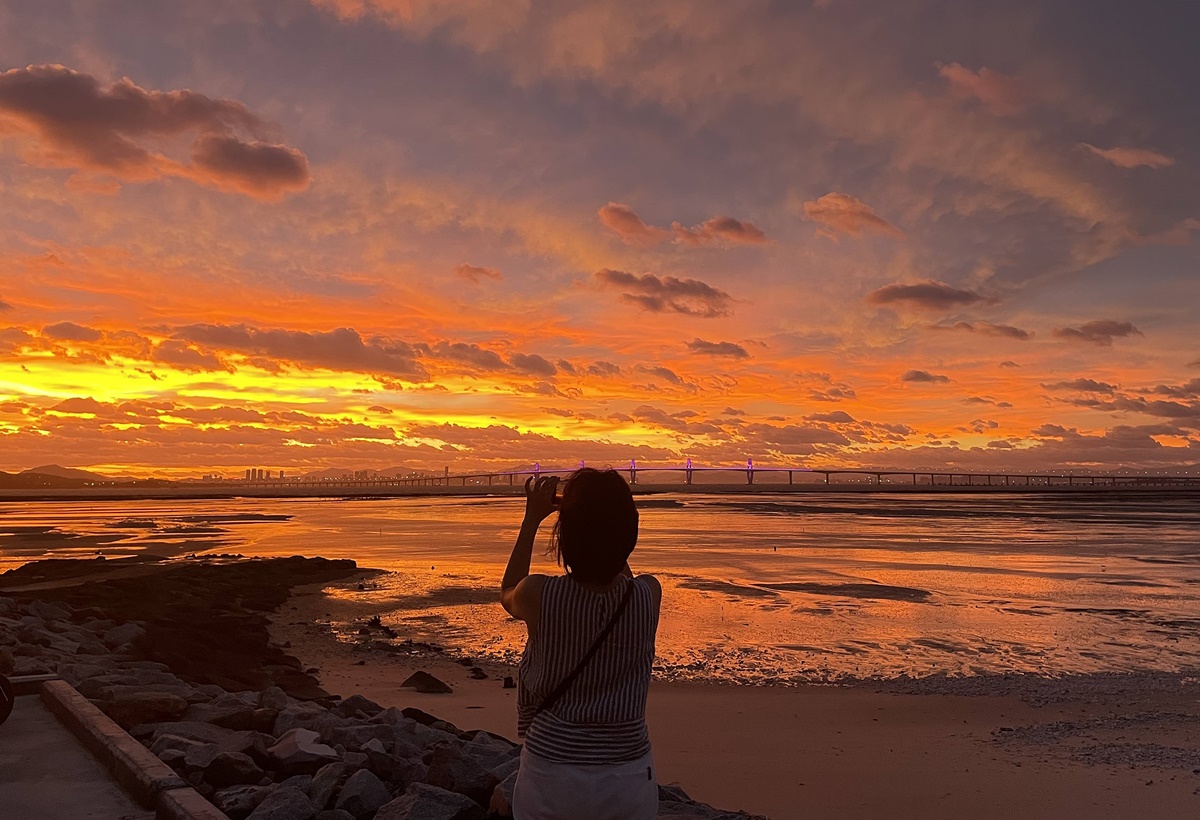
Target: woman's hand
521, 598
539, 498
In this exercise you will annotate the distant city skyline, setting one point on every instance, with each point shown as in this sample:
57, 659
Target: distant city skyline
380, 234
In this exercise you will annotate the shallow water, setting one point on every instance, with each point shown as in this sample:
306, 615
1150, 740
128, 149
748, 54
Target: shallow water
759, 588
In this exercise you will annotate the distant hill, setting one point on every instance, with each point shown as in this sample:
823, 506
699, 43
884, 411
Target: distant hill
73, 473
30, 480
329, 472
64, 472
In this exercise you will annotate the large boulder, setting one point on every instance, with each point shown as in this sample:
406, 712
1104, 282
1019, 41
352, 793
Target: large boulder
298, 781
491, 751
324, 783
219, 766
501, 803
128, 709
452, 769
76, 673
230, 769
299, 751
175, 743
353, 705
424, 682
306, 716
234, 711
194, 730
507, 767
362, 794
424, 802
48, 611
127, 633
423, 737
284, 803
238, 801
7, 661
177, 688
33, 632
273, 698
355, 737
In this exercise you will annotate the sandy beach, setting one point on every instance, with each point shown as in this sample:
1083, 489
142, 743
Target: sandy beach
1107, 746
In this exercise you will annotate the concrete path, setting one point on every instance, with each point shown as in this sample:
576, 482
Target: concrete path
46, 774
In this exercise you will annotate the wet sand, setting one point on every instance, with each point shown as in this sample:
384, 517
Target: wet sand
1085, 747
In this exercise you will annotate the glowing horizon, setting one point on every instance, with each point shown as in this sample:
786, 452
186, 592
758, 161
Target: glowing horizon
370, 234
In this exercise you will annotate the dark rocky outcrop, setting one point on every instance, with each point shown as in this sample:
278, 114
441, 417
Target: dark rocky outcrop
424, 802
275, 751
424, 682
205, 619
284, 803
362, 794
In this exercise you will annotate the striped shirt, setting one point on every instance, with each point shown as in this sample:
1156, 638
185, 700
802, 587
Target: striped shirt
601, 718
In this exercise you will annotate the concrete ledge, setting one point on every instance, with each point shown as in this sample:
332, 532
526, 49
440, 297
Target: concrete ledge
131, 763
29, 684
187, 804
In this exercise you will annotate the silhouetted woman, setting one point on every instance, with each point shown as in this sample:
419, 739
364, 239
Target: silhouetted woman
581, 705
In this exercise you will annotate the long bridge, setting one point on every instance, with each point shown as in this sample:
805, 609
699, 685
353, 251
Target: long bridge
777, 477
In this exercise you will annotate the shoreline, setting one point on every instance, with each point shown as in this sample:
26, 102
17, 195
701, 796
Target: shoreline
1081, 746
1084, 746
118, 493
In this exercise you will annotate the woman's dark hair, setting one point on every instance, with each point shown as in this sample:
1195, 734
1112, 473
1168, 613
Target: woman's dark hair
597, 525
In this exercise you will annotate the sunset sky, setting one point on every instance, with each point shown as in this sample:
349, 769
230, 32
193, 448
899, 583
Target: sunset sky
479, 233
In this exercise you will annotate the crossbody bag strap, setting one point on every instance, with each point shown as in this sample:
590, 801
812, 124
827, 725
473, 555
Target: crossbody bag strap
566, 682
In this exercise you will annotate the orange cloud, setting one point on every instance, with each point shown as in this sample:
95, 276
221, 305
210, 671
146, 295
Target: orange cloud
260, 169
718, 230
729, 349
668, 293
932, 295
1131, 157
989, 329
839, 213
1003, 95
71, 332
628, 226
1099, 332
119, 129
924, 376
181, 356
475, 275
339, 349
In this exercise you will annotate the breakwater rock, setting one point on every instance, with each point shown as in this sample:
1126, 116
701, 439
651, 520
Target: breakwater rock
178, 654
205, 619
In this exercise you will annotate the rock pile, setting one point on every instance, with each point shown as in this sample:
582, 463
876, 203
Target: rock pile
265, 753
205, 619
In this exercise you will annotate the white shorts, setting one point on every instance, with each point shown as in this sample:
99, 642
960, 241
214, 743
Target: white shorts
546, 790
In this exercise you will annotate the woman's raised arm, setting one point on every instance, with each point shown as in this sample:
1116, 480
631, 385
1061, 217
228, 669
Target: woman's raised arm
521, 599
